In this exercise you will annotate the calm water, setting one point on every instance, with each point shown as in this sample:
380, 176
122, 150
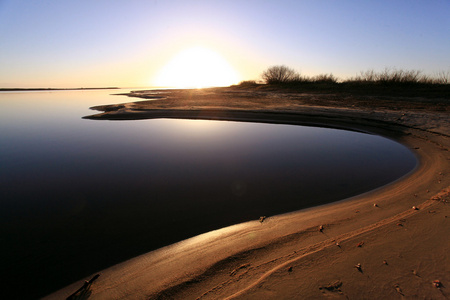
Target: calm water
80, 195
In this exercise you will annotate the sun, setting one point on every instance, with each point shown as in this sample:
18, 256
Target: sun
197, 67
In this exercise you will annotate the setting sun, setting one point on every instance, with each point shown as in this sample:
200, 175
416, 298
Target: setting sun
197, 67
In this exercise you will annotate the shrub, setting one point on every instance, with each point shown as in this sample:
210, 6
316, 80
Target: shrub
442, 77
248, 83
280, 74
324, 78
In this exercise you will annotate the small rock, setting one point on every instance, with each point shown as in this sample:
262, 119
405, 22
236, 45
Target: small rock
385, 262
415, 208
290, 269
358, 266
321, 228
437, 283
337, 244
375, 205
261, 219
398, 289
360, 244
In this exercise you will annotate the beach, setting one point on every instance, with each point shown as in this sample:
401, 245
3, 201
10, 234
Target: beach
388, 243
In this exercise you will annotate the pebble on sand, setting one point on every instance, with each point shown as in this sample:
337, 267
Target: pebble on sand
437, 283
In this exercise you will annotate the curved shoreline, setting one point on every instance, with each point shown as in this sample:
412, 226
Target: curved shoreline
268, 259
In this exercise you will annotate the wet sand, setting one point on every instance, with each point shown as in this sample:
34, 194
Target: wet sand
389, 243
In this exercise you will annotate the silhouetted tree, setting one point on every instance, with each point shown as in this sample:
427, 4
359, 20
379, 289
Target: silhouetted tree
280, 74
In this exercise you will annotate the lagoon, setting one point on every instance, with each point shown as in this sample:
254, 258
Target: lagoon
80, 195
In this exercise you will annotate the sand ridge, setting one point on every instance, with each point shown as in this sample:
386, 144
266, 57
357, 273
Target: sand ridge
400, 250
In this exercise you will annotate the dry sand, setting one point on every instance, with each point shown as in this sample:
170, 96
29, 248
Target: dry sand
401, 251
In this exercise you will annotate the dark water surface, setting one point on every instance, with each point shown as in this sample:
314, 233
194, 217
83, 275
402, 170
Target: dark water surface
79, 195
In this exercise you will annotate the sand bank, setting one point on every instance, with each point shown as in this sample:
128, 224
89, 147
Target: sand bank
400, 250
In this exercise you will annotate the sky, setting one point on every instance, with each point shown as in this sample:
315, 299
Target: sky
129, 43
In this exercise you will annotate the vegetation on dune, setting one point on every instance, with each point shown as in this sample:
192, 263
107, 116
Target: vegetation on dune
280, 74
248, 83
390, 81
285, 75
394, 76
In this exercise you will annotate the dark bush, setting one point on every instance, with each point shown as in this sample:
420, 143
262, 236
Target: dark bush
248, 83
280, 74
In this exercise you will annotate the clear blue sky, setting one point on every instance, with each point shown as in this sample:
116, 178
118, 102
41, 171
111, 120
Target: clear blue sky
126, 43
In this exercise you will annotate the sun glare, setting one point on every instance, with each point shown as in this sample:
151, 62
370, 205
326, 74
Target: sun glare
197, 67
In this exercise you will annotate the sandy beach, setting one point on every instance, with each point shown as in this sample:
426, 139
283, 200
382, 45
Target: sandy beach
390, 243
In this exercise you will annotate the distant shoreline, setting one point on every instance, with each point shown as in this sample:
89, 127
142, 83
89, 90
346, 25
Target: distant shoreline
55, 89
